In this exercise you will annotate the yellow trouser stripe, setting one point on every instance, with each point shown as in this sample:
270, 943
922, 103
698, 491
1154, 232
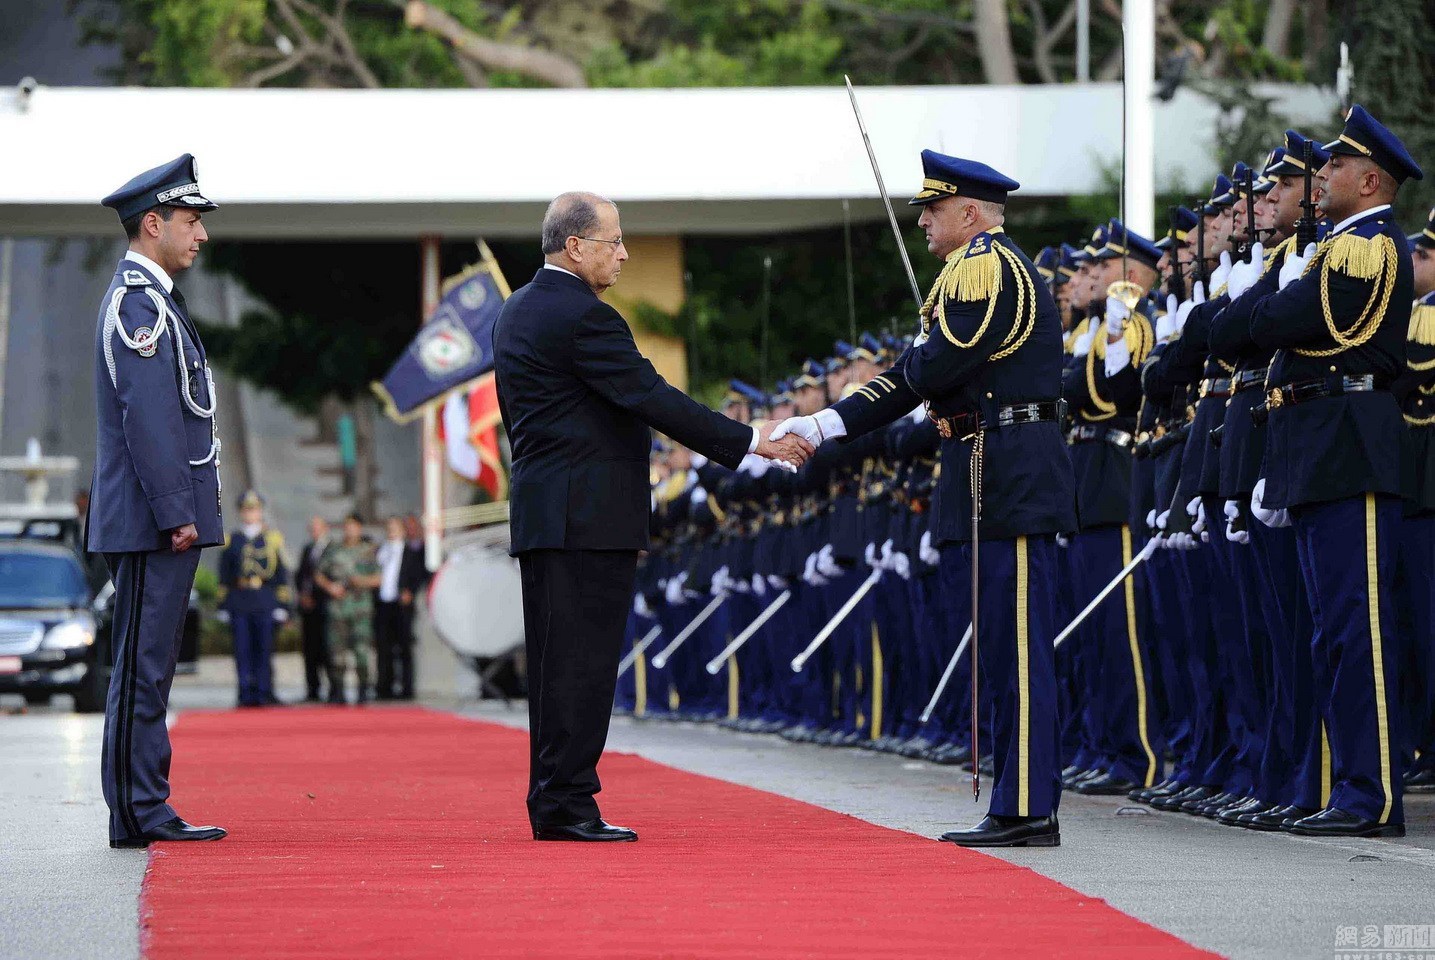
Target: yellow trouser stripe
1372, 590
1137, 667
640, 678
1324, 767
876, 683
1023, 685
732, 685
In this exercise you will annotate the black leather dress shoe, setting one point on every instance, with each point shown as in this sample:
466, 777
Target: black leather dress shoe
999, 831
1071, 782
1174, 801
1231, 814
1264, 820
1334, 822
1292, 815
1420, 781
1105, 785
1145, 794
175, 829
589, 831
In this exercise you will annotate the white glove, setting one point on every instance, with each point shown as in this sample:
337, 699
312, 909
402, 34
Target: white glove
641, 608
759, 585
1161, 519
1151, 519
810, 576
826, 565
870, 555
699, 494
281, 615
1117, 313
1222, 272
1166, 324
1295, 265
1063, 541
1271, 518
886, 559
673, 592
824, 425
1233, 512
1082, 346
1196, 510
929, 554
901, 565
755, 466
222, 616
776, 582
1244, 275
1184, 541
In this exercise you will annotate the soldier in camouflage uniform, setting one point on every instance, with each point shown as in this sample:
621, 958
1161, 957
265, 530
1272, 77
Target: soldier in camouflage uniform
349, 573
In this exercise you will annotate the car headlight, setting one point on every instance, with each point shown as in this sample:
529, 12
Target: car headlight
70, 634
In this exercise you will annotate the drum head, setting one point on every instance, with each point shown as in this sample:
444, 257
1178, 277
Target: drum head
476, 601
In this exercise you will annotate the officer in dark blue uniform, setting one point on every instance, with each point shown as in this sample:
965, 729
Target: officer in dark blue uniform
1338, 325
255, 581
988, 367
155, 495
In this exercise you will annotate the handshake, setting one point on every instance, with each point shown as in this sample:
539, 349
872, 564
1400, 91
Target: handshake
783, 447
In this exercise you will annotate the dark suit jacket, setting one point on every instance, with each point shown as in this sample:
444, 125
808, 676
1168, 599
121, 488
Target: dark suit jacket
413, 574
577, 399
304, 584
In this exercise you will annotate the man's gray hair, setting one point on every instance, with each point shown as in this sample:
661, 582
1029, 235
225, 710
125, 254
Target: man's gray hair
573, 214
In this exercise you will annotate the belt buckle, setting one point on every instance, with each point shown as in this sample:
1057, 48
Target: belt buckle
1275, 398
1033, 412
944, 427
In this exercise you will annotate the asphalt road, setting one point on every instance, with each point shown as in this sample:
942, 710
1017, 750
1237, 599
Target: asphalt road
65, 894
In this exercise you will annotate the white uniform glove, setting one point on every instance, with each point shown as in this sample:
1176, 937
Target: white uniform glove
823, 425
1271, 518
826, 565
673, 593
885, 561
1166, 323
810, 576
776, 582
222, 616
1233, 513
1151, 519
1082, 346
281, 615
1117, 313
1295, 265
929, 554
1245, 274
871, 557
1196, 510
1222, 272
1161, 519
1063, 541
641, 608
1183, 312
759, 585
901, 565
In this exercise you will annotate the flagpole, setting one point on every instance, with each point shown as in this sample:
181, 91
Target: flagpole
432, 450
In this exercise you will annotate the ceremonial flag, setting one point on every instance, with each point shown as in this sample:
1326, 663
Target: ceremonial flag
455, 346
469, 430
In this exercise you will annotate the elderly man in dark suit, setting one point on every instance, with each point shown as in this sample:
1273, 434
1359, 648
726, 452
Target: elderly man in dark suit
577, 400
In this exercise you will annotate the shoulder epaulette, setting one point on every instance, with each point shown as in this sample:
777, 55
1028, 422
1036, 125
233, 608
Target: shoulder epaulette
1361, 258
135, 278
1422, 324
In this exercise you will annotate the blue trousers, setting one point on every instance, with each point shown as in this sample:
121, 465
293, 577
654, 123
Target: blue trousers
1416, 597
151, 597
253, 656
1017, 666
1347, 554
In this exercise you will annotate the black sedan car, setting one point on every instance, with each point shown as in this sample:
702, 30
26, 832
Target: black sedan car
48, 629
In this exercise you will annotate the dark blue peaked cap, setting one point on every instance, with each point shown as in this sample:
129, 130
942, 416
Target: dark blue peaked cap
1121, 242
1293, 163
868, 348
173, 184
1177, 233
739, 392
1365, 136
1046, 261
1266, 180
1066, 267
813, 374
1425, 238
944, 176
1221, 196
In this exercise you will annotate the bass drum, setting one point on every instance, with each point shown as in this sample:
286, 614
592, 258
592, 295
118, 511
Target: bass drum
476, 599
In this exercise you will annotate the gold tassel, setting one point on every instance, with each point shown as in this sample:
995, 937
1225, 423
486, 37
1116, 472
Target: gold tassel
1361, 258
1422, 324
972, 276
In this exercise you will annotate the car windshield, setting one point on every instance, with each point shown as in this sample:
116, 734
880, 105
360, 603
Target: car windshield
40, 580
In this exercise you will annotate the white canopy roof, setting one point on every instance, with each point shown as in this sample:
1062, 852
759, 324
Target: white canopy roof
399, 163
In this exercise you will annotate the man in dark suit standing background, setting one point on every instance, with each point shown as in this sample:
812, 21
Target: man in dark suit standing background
577, 400
313, 609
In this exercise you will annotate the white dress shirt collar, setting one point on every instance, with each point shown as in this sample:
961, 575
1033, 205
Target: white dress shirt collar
549, 266
159, 274
1352, 221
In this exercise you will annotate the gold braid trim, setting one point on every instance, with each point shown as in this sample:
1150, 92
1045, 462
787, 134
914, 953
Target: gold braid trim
1373, 259
1025, 321
1105, 408
973, 273
1140, 337
1422, 324
1279, 252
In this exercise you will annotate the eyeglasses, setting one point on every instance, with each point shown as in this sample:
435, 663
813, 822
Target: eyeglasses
616, 243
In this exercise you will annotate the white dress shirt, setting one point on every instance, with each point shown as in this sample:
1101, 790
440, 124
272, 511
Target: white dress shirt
165, 280
391, 561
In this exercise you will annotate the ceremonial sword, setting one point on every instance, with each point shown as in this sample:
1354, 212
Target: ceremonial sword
882, 189
800, 661
715, 664
632, 655
661, 660
1126, 571
946, 676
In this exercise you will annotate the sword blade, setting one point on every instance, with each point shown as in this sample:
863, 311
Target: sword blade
1126, 571
946, 676
800, 661
715, 664
882, 189
632, 655
661, 660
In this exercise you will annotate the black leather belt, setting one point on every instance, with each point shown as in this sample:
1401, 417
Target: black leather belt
1215, 387
1246, 379
966, 425
1090, 434
1304, 391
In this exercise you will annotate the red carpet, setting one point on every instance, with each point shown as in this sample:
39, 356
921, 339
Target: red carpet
402, 833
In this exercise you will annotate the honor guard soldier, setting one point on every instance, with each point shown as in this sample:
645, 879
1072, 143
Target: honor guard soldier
988, 368
1338, 326
349, 573
255, 581
155, 495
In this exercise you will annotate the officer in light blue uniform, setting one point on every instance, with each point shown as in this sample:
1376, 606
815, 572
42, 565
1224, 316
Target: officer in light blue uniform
255, 581
155, 498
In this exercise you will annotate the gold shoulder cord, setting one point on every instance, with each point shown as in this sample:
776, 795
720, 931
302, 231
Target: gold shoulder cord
1362, 259
1422, 331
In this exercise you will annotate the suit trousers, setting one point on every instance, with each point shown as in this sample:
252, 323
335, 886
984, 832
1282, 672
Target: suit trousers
151, 597
575, 606
393, 650
314, 626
